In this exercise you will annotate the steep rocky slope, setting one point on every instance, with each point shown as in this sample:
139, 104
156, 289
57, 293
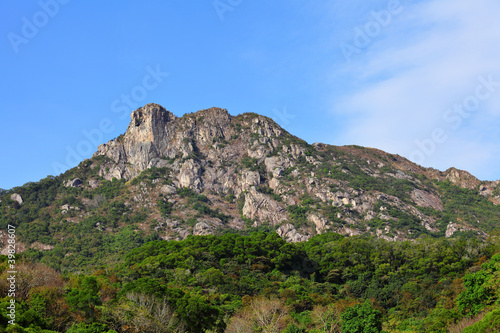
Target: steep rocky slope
210, 172
251, 157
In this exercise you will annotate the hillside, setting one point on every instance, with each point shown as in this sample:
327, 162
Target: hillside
211, 173
218, 223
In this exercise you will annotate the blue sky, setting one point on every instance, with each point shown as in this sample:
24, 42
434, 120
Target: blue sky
415, 78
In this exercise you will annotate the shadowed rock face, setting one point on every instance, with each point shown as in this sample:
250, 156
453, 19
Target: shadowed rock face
252, 159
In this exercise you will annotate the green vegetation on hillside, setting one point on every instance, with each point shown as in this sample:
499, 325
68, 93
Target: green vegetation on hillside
259, 283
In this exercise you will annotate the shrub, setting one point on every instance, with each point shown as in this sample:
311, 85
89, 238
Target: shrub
361, 319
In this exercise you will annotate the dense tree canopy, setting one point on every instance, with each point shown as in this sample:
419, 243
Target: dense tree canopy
330, 283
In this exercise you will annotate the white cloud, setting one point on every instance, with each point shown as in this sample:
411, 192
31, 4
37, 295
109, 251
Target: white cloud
428, 59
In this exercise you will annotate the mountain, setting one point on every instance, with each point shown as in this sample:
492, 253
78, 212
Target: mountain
291, 237
208, 172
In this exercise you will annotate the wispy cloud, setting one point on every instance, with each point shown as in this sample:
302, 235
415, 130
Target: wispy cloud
430, 58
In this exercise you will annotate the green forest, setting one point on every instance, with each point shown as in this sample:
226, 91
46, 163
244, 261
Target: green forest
260, 283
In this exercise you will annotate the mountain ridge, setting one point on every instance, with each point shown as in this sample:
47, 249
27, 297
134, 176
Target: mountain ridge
162, 116
209, 172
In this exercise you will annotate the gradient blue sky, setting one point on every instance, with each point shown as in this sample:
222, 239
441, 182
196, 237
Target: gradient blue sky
327, 71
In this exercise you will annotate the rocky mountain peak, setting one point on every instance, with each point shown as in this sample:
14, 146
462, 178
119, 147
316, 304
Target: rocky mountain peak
150, 114
253, 169
148, 123
457, 177
461, 178
155, 136
214, 114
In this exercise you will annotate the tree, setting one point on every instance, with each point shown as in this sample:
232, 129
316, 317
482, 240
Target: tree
476, 296
198, 314
143, 313
327, 318
85, 298
361, 319
268, 315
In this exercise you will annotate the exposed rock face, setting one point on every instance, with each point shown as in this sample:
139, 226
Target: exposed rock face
41, 247
253, 170
77, 182
65, 208
349, 231
490, 189
458, 177
155, 133
495, 200
190, 175
261, 207
290, 234
319, 221
202, 228
249, 179
16, 197
453, 227
168, 189
4, 244
276, 165
426, 199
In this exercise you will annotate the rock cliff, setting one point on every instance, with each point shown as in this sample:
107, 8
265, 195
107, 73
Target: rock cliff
250, 158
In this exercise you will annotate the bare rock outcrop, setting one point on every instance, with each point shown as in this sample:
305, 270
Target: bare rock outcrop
155, 135
319, 221
426, 199
253, 168
290, 234
261, 207
77, 182
190, 175
17, 198
461, 178
453, 227
276, 165
201, 229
